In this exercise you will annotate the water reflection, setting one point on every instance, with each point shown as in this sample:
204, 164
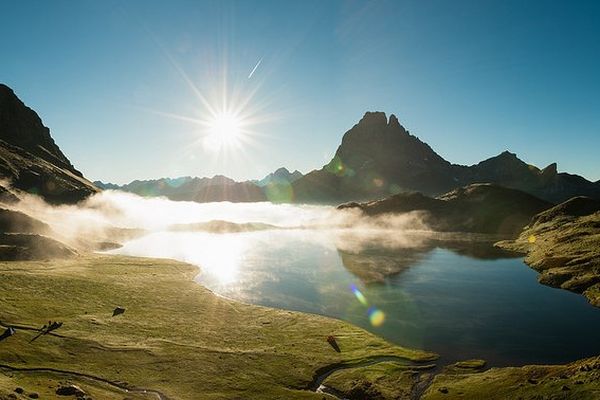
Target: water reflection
380, 254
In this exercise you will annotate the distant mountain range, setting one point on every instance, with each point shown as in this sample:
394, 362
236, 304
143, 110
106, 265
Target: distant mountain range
273, 187
30, 161
377, 158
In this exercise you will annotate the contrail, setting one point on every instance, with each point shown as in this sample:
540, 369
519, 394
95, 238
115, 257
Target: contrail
255, 67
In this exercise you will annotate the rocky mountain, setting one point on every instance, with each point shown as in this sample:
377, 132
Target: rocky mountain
30, 160
477, 208
379, 157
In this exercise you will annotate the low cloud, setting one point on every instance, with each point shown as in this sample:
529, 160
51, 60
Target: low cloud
119, 216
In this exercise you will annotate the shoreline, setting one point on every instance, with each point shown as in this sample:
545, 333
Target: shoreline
253, 326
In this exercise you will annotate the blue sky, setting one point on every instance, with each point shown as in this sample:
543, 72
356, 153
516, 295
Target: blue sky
117, 82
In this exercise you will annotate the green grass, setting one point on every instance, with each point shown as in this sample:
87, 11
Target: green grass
175, 336
579, 380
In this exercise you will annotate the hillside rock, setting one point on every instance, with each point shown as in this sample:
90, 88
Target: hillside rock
23, 237
25, 246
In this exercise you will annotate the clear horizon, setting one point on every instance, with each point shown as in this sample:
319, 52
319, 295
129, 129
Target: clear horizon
122, 86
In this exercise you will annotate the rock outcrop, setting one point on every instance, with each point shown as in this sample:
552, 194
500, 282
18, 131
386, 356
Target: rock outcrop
563, 245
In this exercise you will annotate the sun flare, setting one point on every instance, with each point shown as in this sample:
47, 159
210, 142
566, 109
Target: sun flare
225, 131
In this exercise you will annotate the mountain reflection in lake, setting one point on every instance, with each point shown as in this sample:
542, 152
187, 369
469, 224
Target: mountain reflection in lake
455, 295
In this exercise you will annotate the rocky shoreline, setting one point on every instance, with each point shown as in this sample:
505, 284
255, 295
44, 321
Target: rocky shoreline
563, 245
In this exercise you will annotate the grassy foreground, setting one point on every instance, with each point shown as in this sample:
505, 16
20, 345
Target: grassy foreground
175, 337
466, 380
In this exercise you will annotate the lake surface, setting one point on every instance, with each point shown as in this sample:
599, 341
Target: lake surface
462, 300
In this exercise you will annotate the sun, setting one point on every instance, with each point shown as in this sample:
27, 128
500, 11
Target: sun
225, 131
228, 117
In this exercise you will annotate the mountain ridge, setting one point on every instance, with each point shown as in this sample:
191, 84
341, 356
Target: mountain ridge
30, 160
378, 157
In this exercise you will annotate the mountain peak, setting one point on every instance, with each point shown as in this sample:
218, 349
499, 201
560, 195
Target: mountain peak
550, 170
507, 154
373, 119
282, 171
281, 175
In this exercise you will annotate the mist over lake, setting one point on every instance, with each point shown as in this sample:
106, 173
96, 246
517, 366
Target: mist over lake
455, 294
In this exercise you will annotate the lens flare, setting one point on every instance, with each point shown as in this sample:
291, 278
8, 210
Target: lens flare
376, 316
361, 298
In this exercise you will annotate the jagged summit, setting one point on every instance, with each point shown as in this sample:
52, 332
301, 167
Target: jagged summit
377, 157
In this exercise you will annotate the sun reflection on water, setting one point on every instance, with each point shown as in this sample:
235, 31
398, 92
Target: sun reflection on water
219, 256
